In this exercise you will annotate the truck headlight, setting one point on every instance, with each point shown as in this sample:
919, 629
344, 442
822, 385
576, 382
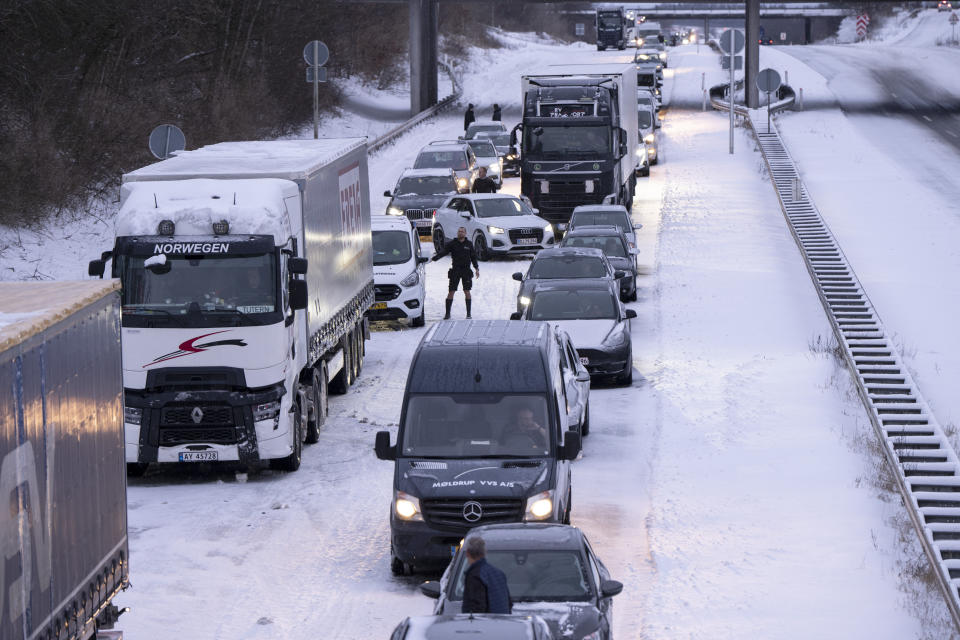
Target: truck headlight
525, 301
539, 506
411, 280
406, 506
648, 138
394, 211
266, 410
132, 415
497, 231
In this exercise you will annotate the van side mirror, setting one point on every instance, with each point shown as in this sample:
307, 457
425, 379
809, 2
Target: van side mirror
516, 315
423, 260
298, 294
631, 314
619, 274
465, 214
384, 451
387, 194
96, 268
297, 265
518, 276
610, 588
638, 226
431, 589
571, 446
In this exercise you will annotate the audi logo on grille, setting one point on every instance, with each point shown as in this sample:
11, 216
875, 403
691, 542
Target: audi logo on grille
196, 415
524, 230
472, 511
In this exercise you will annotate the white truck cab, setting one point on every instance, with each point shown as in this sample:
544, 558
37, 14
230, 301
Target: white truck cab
399, 277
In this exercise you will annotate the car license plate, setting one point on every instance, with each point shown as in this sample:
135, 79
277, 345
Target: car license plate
584, 360
526, 241
198, 456
379, 305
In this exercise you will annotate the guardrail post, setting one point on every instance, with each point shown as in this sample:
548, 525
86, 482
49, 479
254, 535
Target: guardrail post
801, 99
796, 193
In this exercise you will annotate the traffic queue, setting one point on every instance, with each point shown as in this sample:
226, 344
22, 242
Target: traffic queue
495, 412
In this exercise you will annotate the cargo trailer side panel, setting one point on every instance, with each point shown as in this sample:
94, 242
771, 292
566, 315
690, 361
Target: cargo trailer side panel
65, 545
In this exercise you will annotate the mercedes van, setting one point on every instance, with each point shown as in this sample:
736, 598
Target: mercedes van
399, 283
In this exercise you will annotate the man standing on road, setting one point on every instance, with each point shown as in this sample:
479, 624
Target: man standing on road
483, 184
462, 255
496, 112
485, 587
468, 117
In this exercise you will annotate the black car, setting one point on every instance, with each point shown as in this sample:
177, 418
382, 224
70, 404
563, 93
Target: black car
418, 194
484, 438
563, 264
506, 150
612, 241
474, 626
591, 313
545, 564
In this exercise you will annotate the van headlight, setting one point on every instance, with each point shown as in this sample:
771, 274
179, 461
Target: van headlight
411, 280
132, 415
394, 211
649, 138
539, 506
406, 506
497, 231
266, 410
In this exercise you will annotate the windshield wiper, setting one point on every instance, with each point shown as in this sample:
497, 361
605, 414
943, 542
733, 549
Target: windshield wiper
239, 313
150, 311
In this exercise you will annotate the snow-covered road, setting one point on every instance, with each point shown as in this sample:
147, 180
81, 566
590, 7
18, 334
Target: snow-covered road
731, 488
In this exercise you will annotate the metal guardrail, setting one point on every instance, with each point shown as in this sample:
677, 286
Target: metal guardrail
786, 98
923, 461
399, 130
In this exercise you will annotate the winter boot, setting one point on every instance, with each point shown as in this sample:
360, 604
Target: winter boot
449, 304
468, 307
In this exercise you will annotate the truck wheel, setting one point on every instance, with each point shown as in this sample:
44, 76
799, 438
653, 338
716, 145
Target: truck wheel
421, 319
292, 461
318, 393
136, 469
357, 352
438, 238
344, 378
480, 245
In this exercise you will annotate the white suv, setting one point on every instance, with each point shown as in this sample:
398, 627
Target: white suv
398, 271
496, 224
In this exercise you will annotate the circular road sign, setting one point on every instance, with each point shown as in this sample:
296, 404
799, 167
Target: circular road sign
323, 54
768, 80
732, 41
165, 139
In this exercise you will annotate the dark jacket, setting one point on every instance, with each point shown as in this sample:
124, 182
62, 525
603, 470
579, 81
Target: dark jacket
468, 117
485, 589
484, 185
496, 113
462, 254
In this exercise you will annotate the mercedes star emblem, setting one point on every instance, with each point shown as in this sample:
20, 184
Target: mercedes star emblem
472, 511
196, 415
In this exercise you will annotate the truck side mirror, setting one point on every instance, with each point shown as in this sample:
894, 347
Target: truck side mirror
387, 194
518, 276
571, 446
431, 589
96, 268
298, 294
384, 451
297, 265
516, 315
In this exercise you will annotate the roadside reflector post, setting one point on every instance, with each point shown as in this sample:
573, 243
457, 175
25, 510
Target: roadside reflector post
704, 100
801, 98
797, 191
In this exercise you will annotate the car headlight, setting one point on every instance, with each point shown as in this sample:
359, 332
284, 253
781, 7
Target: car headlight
616, 339
548, 228
406, 506
539, 506
411, 280
649, 138
495, 167
511, 156
462, 183
525, 301
495, 230
394, 211
266, 410
663, 56
651, 151
132, 415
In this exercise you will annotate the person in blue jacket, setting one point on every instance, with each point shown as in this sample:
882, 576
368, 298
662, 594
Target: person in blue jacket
485, 587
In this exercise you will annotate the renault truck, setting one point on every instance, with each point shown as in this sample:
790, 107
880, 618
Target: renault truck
246, 269
578, 137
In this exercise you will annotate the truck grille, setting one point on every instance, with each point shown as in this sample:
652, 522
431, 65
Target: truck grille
382, 292
516, 234
170, 437
563, 197
448, 512
208, 416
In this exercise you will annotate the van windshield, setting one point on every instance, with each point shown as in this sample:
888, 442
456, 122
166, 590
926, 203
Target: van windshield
476, 425
391, 247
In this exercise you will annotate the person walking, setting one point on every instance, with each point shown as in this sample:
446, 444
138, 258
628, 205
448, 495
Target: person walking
462, 255
485, 587
468, 117
496, 112
483, 184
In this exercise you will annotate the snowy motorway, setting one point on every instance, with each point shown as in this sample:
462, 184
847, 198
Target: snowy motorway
733, 487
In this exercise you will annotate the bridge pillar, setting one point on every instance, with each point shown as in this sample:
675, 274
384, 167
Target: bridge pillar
751, 62
424, 16
807, 30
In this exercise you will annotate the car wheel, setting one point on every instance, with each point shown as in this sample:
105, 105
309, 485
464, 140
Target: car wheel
292, 462
398, 567
585, 425
438, 240
480, 245
420, 320
646, 171
626, 379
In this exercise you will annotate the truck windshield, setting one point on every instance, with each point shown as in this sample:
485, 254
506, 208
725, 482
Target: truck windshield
476, 425
573, 305
181, 284
609, 20
566, 141
426, 185
567, 267
537, 575
455, 160
391, 247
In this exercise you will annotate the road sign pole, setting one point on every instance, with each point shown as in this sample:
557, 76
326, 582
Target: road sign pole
768, 112
732, 85
316, 91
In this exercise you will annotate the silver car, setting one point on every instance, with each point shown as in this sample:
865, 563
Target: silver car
486, 154
450, 154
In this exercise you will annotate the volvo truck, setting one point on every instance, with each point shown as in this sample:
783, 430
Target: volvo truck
63, 525
578, 137
246, 270
612, 27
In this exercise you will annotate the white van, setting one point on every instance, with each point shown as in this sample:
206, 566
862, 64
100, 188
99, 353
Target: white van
398, 271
